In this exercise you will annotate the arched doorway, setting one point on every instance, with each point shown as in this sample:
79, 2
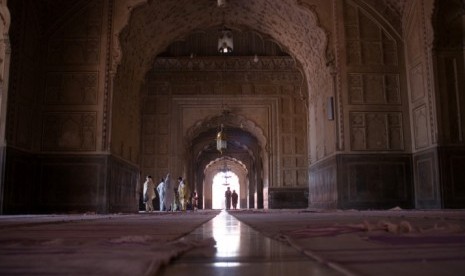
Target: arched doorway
237, 178
222, 181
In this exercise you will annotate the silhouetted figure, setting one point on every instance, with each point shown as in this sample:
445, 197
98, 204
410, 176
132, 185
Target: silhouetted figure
194, 200
227, 195
234, 198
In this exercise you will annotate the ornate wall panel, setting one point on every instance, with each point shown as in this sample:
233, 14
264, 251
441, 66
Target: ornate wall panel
376, 96
25, 74
71, 88
78, 41
76, 183
287, 198
155, 129
374, 89
366, 42
69, 131
420, 127
427, 192
74, 80
323, 185
417, 84
122, 182
376, 131
377, 181
419, 72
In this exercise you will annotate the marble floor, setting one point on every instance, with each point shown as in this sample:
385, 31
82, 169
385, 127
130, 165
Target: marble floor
240, 242
240, 250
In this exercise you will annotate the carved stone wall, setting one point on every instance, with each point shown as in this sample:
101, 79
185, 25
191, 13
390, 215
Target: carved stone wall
452, 176
418, 68
448, 63
55, 102
323, 192
68, 183
23, 120
55, 113
427, 190
73, 82
374, 181
373, 106
376, 95
20, 172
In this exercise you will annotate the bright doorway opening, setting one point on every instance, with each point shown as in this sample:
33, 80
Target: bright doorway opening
221, 181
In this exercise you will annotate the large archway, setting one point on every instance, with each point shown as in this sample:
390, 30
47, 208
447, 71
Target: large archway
298, 33
187, 96
243, 158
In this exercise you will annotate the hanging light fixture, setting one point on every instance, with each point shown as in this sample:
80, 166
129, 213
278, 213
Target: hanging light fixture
225, 172
225, 41
222, 3
221, 142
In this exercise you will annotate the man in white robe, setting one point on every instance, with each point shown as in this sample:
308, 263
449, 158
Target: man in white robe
161, 189
169, 195
149, 193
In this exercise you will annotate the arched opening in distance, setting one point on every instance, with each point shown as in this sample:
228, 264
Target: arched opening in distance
221, 181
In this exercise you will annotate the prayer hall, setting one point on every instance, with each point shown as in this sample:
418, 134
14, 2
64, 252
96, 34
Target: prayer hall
232, 137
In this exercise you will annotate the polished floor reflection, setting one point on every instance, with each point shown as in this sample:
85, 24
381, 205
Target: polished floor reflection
240, 250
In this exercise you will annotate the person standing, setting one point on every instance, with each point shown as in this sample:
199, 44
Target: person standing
194, 201
149, 193
169, 195
161, 189
234, 198
227, 195
183, 192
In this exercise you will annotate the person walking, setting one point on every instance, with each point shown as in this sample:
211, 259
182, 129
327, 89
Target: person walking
227, 196
234, 198
149, 193
169, 195
183, 193
161, 189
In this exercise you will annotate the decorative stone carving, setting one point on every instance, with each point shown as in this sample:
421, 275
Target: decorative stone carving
218, 64
374, 89
77, 42
376, 131
71, 88
417, 85
69, 131
420, 127
367, 43
122, 12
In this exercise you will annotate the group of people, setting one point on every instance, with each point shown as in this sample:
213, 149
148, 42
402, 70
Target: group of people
172, 198
231, 197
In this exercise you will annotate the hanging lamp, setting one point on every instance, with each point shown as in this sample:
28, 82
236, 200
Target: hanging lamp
221, 143
225, 41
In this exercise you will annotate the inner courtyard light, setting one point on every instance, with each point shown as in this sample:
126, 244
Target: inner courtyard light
219, 188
